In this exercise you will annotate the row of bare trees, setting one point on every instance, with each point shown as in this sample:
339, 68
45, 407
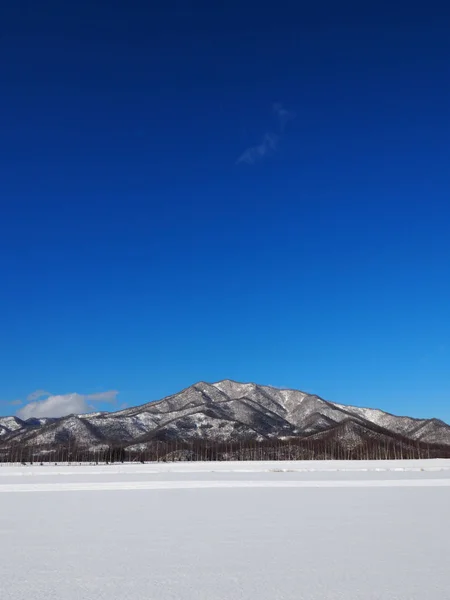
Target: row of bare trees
198, 450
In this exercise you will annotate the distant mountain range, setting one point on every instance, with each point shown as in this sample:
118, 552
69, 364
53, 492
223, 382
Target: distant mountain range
226, 411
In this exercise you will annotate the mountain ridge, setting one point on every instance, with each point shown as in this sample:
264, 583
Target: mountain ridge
224, 411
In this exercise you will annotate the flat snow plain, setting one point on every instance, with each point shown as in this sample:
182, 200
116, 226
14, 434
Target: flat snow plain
226, 531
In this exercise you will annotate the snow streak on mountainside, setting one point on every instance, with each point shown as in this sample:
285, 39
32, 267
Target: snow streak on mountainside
223, 412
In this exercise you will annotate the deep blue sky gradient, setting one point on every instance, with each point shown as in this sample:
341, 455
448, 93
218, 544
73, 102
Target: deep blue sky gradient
137, 255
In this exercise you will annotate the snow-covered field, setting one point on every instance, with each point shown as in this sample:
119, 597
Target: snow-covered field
228, 531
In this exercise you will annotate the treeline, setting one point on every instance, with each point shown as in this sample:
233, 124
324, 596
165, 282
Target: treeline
172, 451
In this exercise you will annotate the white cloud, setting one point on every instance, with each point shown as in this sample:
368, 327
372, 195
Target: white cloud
65, 404
55, 406
255, 153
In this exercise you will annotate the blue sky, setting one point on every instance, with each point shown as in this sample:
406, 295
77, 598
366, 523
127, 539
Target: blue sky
198, 192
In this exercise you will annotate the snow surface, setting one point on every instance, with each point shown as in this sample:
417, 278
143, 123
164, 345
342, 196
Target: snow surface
226, 531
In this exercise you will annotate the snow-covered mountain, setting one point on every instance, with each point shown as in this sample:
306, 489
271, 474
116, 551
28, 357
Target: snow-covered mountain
221, 412
10, 425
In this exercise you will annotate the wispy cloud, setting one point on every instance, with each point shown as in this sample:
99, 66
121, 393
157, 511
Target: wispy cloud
15, 402
255, 153
283, 115
64, 404
270, 141
37, 395
110, 396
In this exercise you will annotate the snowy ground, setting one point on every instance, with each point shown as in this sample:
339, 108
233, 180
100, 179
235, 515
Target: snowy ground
228, 531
